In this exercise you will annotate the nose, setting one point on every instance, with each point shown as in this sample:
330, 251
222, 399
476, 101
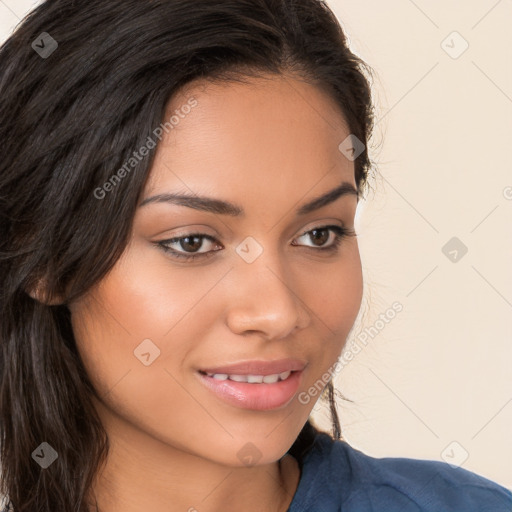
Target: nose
263, 300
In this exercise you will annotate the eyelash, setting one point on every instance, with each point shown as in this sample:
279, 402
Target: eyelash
340, 233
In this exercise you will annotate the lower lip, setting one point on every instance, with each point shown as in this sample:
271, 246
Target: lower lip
260, 397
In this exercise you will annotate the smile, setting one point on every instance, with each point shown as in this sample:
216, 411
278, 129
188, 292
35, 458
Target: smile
256, 392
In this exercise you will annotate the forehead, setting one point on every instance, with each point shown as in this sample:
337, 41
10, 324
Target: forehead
273, 132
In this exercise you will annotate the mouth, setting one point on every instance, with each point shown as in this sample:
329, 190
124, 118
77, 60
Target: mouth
255, 385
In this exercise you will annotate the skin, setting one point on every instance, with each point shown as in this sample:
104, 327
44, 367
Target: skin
270, 146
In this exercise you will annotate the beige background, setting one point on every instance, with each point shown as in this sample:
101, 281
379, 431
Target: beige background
440, 371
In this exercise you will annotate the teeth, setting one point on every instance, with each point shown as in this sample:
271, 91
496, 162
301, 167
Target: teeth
252, 379
238, 378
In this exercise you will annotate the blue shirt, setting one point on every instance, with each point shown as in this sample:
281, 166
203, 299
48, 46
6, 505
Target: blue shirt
336, 477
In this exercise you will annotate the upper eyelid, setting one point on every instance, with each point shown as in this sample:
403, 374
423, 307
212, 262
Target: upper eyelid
212, 238
317, 225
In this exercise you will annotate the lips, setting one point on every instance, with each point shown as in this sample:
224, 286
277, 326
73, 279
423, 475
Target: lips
256, 385
254, 396
258, 367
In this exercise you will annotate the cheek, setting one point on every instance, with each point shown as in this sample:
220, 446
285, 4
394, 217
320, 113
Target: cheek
334, 299
139, 308
109, 337
334, 293
144, 296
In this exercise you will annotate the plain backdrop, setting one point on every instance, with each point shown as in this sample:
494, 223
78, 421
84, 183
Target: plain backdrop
435, 382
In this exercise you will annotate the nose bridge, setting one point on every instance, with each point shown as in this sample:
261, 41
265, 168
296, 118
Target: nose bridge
265, 300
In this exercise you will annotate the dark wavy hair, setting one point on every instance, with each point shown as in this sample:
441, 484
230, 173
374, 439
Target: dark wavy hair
68, 119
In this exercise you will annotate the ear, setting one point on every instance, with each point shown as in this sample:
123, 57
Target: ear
39, 292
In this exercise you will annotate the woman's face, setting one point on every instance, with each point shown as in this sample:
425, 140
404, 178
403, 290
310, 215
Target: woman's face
259, 290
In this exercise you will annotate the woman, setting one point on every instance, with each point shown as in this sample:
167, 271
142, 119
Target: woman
180, 267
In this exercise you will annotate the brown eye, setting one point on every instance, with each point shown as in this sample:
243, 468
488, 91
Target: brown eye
321, 235
187, 246
192, 243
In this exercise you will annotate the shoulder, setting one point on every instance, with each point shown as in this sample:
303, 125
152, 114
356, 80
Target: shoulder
344, 478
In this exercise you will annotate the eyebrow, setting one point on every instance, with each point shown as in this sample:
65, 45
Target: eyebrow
218, 206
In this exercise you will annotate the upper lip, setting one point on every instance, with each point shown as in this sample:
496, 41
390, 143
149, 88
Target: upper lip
259, 367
